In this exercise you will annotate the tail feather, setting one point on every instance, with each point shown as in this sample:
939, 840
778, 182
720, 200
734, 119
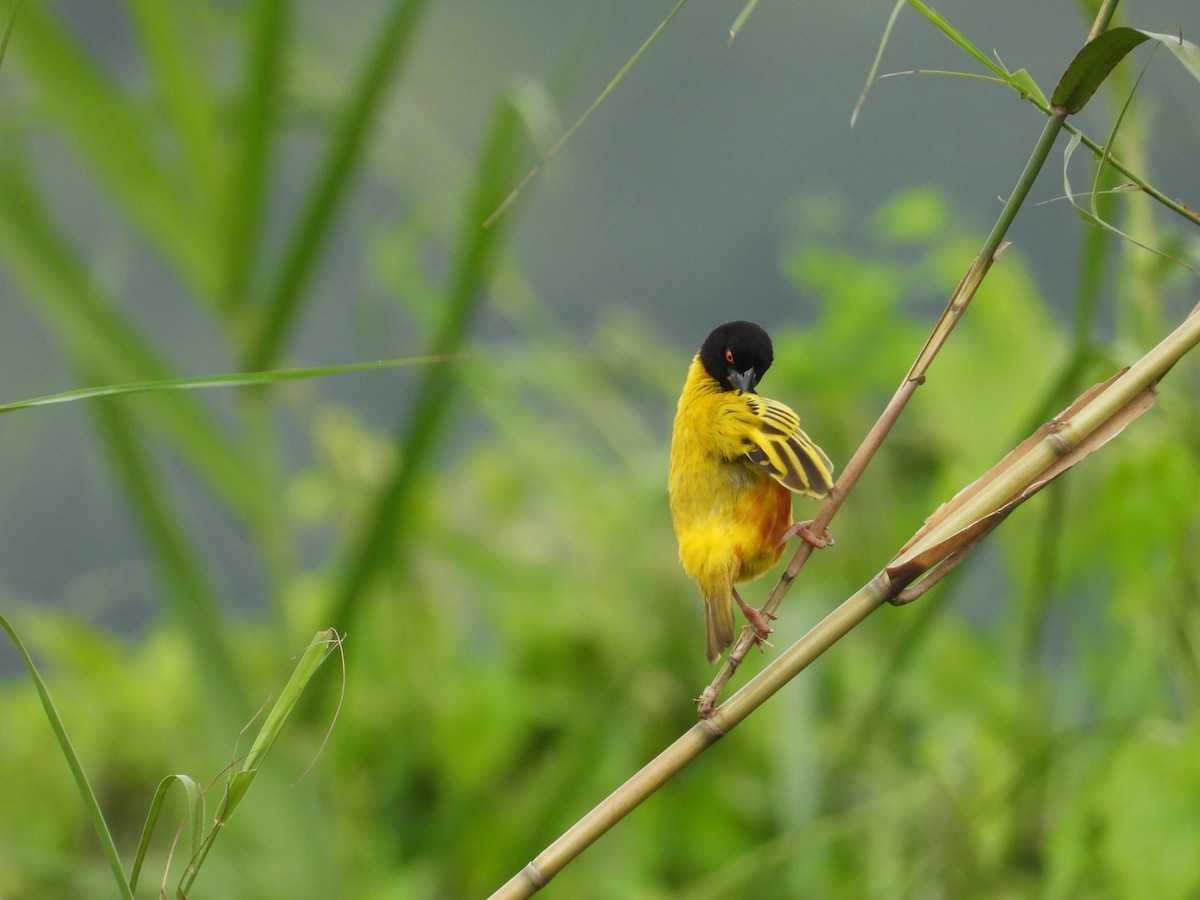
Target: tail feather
718, 623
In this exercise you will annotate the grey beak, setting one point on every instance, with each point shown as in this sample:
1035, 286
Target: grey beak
743, 381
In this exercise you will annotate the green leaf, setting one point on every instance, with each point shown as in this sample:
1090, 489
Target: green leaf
959, 38
195, 818
68, 751
314, 655
1092, 65
236, 379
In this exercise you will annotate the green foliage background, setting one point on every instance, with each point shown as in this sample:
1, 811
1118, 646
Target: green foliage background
520, 638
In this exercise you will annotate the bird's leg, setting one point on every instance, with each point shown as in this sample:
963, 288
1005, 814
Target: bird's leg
803, 530
757, 619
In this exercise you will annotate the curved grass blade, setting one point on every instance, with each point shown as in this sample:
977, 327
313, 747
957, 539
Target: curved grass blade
81, 781
237, 379
1091, 214
194, 817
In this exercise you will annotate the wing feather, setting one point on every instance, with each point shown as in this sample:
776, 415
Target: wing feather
781, 447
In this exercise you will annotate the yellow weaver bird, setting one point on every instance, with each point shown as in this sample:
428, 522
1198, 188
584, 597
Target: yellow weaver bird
736, 458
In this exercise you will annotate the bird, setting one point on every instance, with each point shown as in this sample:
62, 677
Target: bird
736, 459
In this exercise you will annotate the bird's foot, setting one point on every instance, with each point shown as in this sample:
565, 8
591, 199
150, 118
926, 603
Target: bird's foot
803, 530
759, 625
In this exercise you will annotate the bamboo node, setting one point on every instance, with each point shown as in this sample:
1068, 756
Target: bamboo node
535, 875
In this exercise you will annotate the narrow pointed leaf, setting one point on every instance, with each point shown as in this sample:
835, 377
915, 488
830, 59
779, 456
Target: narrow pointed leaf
73, 762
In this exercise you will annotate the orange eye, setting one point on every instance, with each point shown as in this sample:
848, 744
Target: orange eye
728, 356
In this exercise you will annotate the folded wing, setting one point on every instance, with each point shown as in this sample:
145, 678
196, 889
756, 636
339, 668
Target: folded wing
788, 454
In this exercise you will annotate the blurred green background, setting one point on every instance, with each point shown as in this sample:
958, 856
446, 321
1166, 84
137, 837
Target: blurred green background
194, 189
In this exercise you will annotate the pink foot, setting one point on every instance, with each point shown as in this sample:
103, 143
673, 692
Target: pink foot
758, 621
803, 530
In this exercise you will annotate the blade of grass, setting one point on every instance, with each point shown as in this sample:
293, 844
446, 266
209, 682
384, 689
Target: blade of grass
944, 26
317, 651
346, 150
73, 762
236, 379
883, 42
417, 436
269, 24
194, 817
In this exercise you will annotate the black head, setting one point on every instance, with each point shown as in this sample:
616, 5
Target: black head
737, 355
